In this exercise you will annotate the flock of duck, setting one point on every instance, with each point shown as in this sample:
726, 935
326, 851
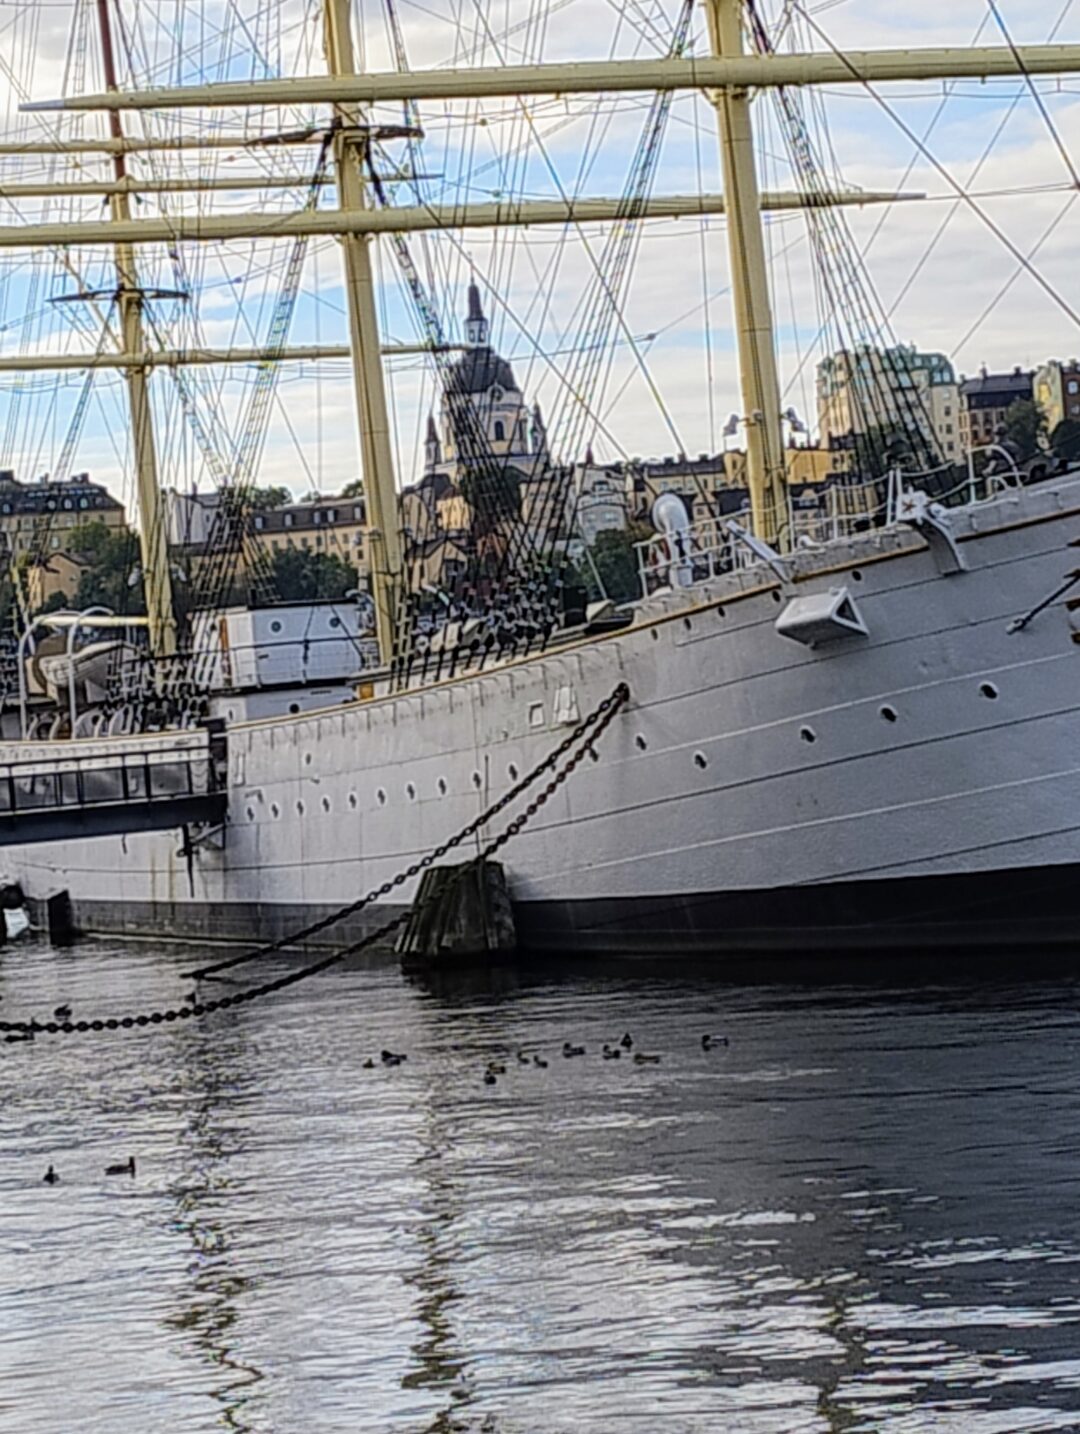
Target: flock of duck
610, 1051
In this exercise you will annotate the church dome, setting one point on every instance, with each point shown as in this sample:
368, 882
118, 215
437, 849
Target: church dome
480, 369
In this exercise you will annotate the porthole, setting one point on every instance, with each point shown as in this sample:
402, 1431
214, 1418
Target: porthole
640, 742
294, 708
512, 772
335, 622
381, 797
299, 809
688, 624
410, 792
700, 760
442, 786
654, 635
275, 810
889, 713
326, 804
307, 759
719, 612
808, 734
275, 626
988, 690
856, 576
477, 780
352, 800
777, 596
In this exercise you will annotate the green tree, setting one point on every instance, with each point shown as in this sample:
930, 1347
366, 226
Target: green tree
301, 576
261, 500
1065, 440
616, 562
112, 578
355, 489
1025, 427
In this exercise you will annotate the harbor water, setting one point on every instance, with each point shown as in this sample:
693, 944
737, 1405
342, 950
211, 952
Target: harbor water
860, 1214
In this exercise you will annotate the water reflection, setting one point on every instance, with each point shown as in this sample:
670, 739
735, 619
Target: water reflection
214, 1077
860, 1216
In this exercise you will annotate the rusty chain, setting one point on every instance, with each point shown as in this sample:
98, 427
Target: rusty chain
591, 728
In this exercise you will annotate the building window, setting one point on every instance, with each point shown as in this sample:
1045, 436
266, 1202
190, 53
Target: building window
287, 520
331, 515
1074, 387
260, 522
500, 431
358, 513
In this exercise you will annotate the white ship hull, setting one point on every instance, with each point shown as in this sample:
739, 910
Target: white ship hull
918, 785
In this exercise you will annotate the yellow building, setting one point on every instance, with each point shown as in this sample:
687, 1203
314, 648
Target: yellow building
336, 526
56, 573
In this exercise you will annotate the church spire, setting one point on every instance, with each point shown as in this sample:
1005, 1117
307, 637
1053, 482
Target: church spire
432, 446
476, 326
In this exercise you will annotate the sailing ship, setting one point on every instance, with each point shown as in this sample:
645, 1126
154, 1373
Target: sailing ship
844, 729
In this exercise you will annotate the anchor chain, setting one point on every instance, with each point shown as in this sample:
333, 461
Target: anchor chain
591, 729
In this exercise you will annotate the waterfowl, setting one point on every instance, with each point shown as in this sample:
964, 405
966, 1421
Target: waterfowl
369, 1064
392, 1058
63, 1013
611, 1053
708, 1042
541, 1062
128, 1167
627, 1041
640, 1059
26, 1034
523, 1059
50, 1177
489, 1077
569, 1050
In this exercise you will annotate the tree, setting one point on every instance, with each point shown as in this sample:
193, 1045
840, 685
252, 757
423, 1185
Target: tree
1065, 440
355, 489
112, 578
313, 497
261, 500
301, 576
1024, 427
616, 562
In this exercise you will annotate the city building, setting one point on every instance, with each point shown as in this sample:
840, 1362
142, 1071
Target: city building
37, 518
337, 526
985, 400
1056, 389
865, 389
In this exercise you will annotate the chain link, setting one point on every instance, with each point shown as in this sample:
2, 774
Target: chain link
591, 728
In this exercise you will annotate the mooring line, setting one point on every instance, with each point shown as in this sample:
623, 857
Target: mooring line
591, 729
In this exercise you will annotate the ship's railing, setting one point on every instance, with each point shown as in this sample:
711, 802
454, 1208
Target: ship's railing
707, 548
703, 550
149, 774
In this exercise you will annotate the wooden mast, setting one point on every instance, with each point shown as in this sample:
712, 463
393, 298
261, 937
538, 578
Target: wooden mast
750, 287
380, 490
157, 584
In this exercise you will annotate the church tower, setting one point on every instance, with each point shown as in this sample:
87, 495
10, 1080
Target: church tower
476, 326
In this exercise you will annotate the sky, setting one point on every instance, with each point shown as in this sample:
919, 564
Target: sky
946, 272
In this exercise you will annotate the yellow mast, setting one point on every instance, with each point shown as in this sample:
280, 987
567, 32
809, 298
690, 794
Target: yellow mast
750, 287
157, 584
380, 491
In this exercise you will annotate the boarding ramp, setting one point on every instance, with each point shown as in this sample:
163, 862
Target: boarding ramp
60, 791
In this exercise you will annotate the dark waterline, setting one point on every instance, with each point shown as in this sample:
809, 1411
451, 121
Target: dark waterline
862, 1215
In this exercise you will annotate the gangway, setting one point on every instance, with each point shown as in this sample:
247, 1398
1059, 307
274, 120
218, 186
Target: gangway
116, 786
